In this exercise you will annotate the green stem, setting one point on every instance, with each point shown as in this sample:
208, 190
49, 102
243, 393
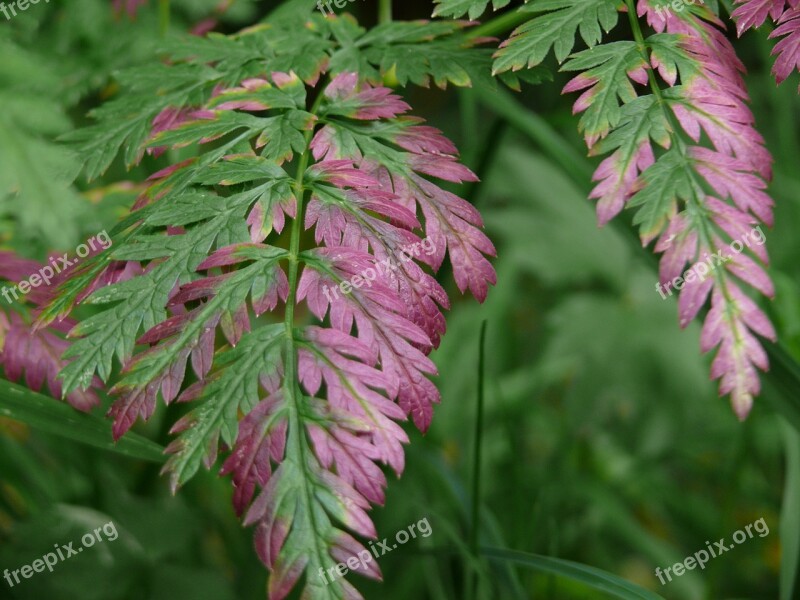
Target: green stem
297, 224
384, 11
789, 527
163, 17
469, 119
502, 24
295, 433
698, 209
476, 464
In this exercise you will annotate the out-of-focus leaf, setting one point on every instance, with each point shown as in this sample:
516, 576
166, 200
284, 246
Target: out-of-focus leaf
595, 578
56, 418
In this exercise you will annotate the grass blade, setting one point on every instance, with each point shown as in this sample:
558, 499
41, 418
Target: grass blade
591, 576
790, 516
58, 418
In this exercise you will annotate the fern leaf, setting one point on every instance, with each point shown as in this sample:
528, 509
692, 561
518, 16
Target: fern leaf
307, 403
530, 43
684, 153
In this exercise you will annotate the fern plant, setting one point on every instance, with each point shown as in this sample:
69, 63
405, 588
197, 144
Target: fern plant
327, 334
287, 249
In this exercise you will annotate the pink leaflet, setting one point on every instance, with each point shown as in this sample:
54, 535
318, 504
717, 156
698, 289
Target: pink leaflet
261, 439
739, 351
351, 387
752, 13
37, 355
679, 246
618, 180
344, 443
729, 176
342, 174
368, 103
787, 50
382, 325
450, 222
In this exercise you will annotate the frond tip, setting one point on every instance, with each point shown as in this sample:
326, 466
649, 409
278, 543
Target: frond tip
670, 111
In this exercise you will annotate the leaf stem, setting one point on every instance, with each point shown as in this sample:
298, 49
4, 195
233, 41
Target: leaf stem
476, 464
295, 445
163, 17
384, 11
501, 24
297, 224
699, 210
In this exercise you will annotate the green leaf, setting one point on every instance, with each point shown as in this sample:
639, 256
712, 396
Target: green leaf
141, 301
234, 387
459, 8
412, 51
530, 43
241, 169
607, 68
666, 51
126, 120
595, 578
640, 120
57, 418
282, 136
223, 123
664, 183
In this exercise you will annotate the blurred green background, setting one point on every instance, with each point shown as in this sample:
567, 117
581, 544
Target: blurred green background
603, 442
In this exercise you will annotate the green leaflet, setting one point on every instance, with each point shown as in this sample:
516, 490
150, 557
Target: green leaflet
232, 387
472, 8
530, 43
608, 66
639, 120
289, 46
666, 182
141, 301
60, 419
242, 169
